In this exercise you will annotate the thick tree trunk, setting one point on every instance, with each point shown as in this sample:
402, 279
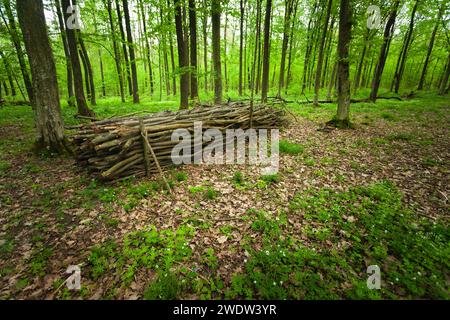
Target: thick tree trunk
321, 50
266, 57
83, 109
343, 70
48, 119
126, 14
16, 42
193, 45
430, 48
182, 56
215, 19
388, 32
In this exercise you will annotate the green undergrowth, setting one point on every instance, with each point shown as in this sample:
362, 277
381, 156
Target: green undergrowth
351, 231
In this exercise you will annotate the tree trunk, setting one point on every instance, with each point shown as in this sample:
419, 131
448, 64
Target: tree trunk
172, 55
291, 46
443, 89
361, 61
147, 48
182, 56
321, 49
9, 75
309, 41
404, 53
116, 50
90, 75
343, 70
62, 30
20, 55
266, 57
215, 19
388, 32
48, 119
124, 48
241, 43
430, 47
205, 43
284, 46
126, 14
193, 44
83, 109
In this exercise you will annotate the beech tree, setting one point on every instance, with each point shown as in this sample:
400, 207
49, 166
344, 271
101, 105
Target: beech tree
48, 120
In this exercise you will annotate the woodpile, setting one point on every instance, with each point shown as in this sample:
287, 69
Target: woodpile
142, 145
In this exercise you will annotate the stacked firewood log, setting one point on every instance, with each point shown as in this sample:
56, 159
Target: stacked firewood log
141, 145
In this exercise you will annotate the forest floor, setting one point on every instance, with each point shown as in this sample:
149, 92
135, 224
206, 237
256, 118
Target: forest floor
342, 201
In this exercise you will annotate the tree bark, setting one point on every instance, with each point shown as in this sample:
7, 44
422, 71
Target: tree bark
266, 57
48, 119
215, 19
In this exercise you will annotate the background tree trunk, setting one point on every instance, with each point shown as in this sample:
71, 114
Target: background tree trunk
388, 32
343, 69
215, 18
321, 49
430, 48
17, 44
126, 14
62, 30
124, 49
266, 57
116, 50
182, 56
76, 67
193, 45
284, 47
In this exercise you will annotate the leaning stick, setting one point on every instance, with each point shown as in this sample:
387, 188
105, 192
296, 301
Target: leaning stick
149, 147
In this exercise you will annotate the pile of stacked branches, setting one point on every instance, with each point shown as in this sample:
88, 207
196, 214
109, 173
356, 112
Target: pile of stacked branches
142, 145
